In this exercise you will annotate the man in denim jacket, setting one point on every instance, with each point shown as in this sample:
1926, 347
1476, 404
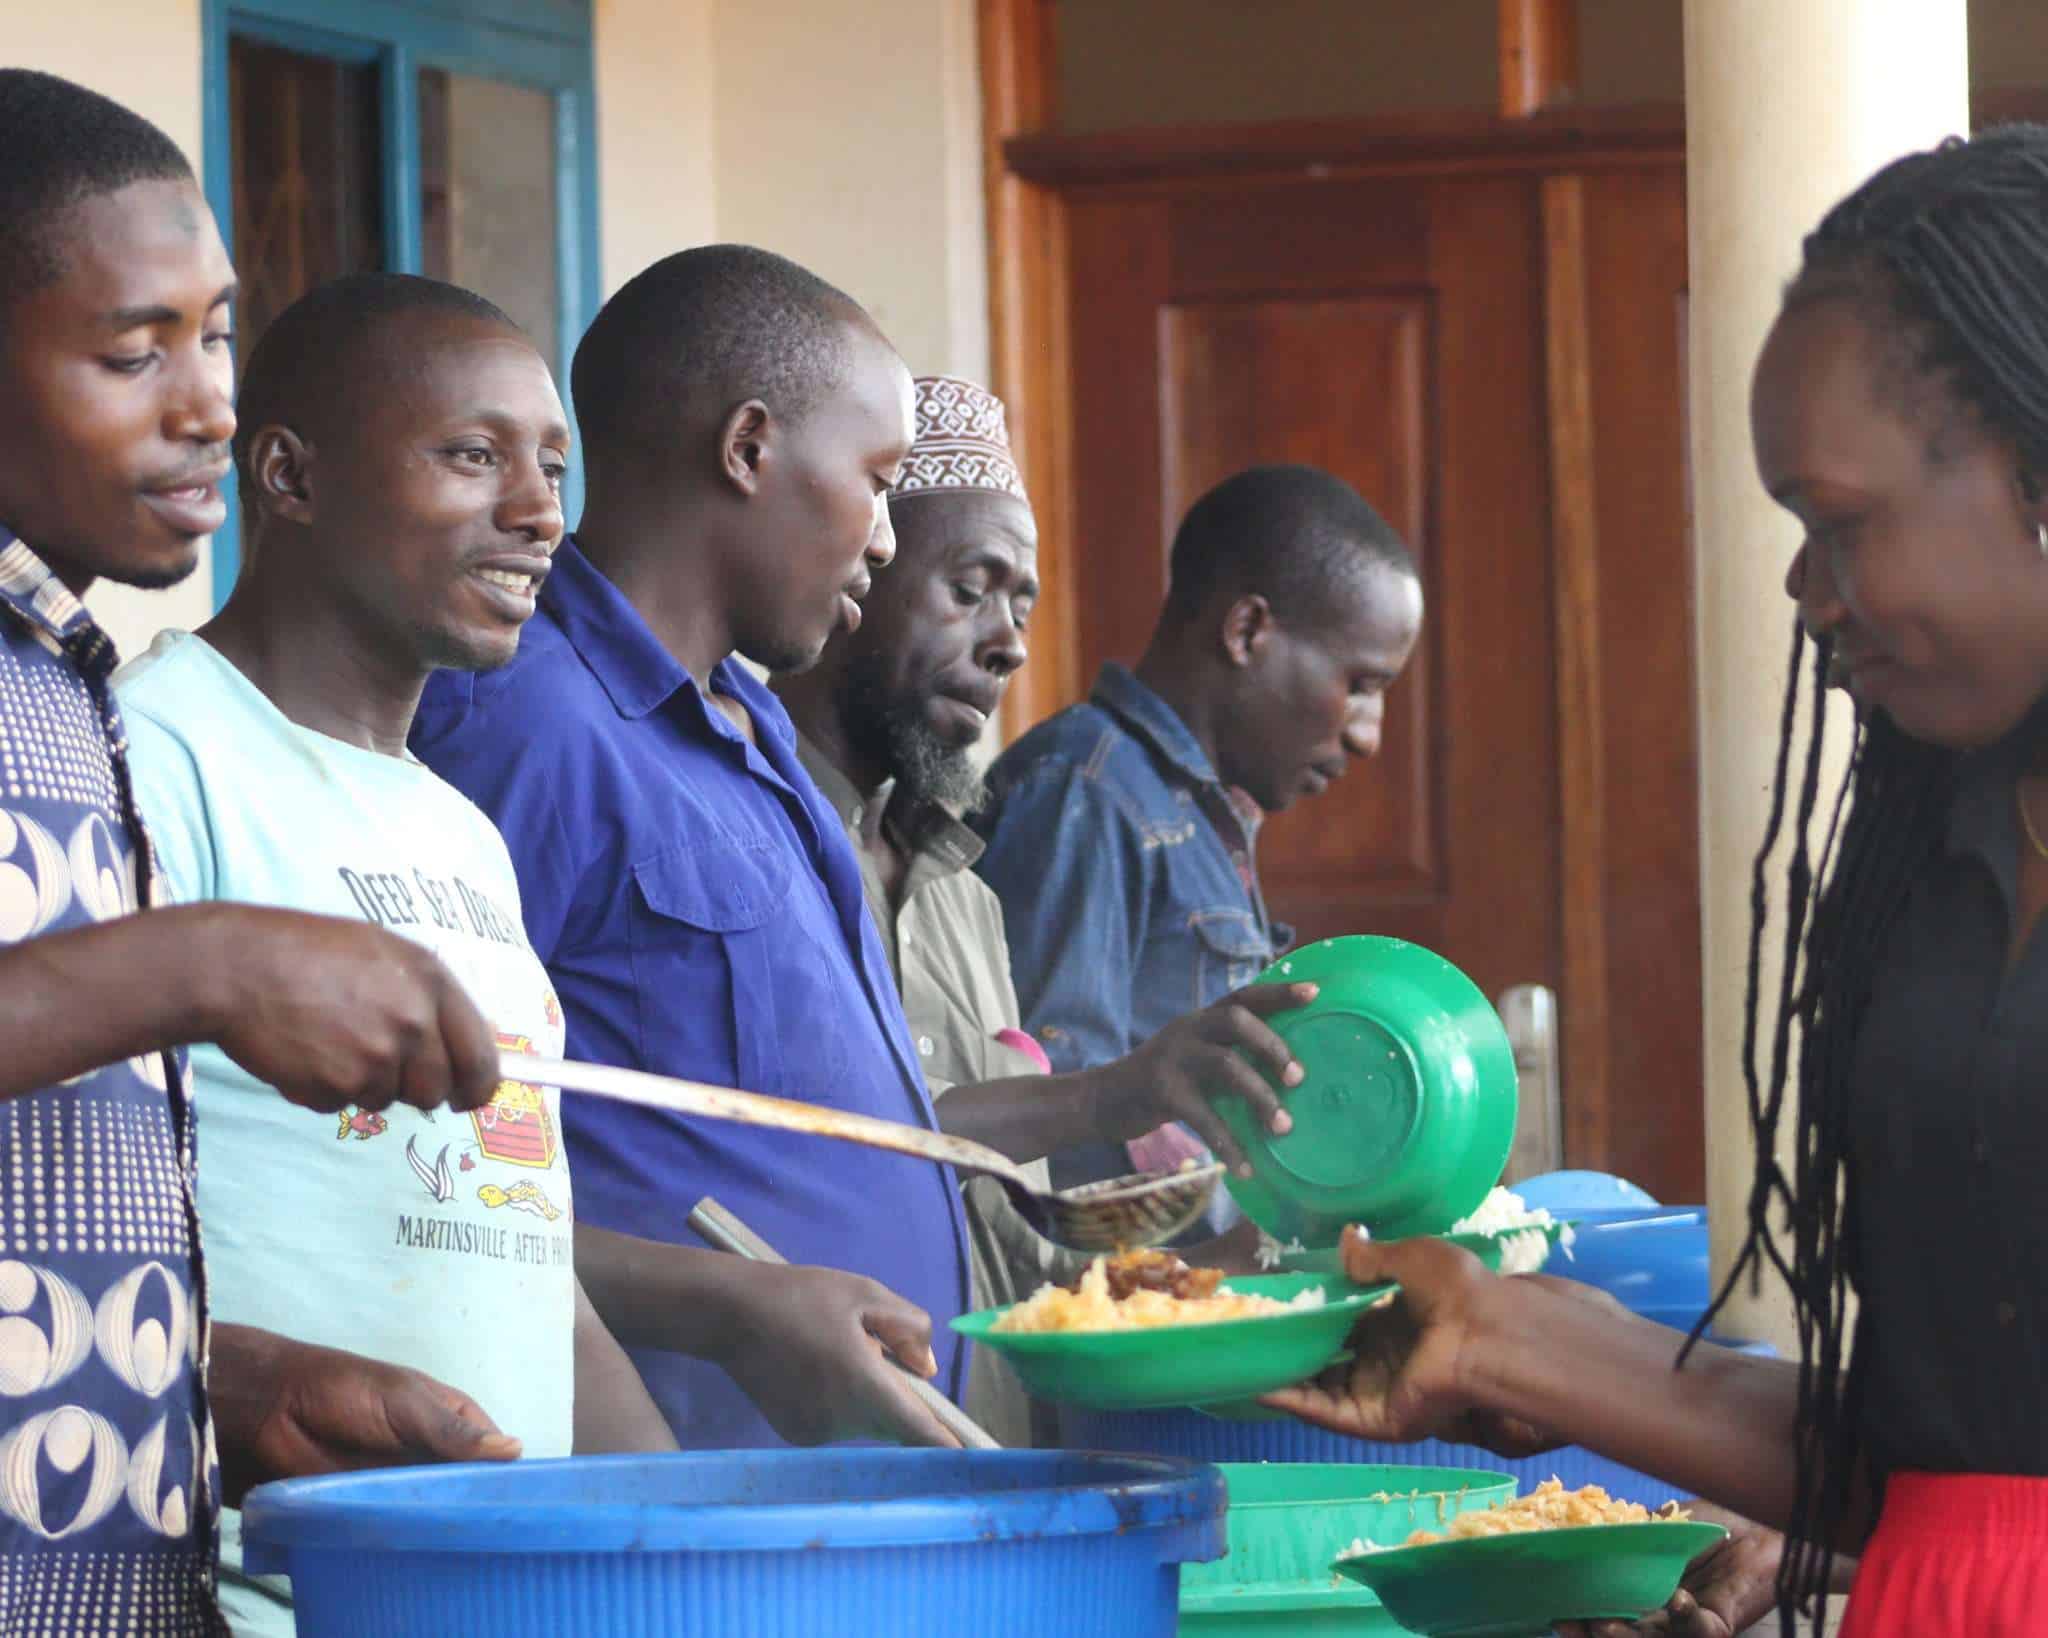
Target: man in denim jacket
1121, 831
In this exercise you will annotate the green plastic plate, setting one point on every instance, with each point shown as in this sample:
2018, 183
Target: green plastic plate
1520, 1586
1407, 1111
1184, 1364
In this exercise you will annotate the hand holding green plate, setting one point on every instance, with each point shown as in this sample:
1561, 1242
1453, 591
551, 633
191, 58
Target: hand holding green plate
1159, 1367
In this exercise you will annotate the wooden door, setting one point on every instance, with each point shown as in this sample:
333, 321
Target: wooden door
1395, 331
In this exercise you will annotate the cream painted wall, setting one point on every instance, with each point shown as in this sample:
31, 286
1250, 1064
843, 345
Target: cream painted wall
848, 137
144, 53
655, 135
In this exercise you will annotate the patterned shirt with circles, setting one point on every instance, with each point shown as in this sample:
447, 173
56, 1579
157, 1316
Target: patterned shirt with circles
109, 1489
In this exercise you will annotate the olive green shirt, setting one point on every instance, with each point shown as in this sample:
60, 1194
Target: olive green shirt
945, 940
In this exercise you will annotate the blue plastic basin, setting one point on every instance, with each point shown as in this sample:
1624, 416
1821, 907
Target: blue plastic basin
1568, 1194
1654, 1262
744, 1544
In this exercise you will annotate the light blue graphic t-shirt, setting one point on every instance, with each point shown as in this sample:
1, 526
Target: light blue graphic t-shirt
439, 1241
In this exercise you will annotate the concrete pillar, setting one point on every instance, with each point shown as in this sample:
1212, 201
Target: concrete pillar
1789, 104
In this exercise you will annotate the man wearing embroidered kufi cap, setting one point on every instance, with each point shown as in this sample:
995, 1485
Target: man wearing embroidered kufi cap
889, 721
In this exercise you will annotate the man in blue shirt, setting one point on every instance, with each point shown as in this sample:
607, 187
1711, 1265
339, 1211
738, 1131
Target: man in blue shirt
694, 898
1121, 831
115, 376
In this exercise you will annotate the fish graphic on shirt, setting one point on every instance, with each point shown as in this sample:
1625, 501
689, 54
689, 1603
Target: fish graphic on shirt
360, 1124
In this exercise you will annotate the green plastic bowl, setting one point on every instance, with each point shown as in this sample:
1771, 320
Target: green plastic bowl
1288, 1521
1407, 1113
1174, 1365
1520, 1586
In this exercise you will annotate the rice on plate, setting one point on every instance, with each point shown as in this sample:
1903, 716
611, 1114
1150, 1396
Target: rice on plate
1094, 1305
1548, 1507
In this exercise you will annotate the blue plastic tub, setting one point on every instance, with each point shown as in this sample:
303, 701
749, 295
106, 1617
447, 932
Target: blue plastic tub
1568, 1194
1653, 1262
744, 1544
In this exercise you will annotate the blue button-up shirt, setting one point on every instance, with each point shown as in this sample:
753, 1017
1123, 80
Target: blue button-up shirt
108, 1492
699, 908
1125, 869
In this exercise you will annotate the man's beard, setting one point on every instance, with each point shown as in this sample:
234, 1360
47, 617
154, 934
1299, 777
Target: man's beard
891, 731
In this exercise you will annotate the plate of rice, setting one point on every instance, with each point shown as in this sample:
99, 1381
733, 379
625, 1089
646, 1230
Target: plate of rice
1517, 1569
1157, 1338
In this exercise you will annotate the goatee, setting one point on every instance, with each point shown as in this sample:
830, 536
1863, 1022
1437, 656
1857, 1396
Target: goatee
892, 732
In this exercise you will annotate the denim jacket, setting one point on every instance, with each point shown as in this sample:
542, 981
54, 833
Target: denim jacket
1124, 867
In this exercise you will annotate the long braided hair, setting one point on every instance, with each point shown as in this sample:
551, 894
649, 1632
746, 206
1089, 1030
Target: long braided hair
1946, 254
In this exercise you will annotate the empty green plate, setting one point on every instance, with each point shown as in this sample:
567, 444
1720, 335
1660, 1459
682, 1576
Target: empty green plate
1520, 1586
1406, 1115
1173, 1365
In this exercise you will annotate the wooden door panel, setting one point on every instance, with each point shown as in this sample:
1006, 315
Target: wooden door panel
1301, 239
1118, 253
1340, 383
1650, 1126
1489, 588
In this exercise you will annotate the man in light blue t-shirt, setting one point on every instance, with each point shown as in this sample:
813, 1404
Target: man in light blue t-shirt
402, 525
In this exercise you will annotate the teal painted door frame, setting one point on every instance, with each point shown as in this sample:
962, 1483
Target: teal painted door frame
543, 44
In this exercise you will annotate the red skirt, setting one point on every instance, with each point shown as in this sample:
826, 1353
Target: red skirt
1961, 1553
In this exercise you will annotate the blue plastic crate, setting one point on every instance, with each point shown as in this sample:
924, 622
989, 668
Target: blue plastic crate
744, 1544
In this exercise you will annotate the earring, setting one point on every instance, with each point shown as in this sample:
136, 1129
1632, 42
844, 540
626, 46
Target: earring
2041, 537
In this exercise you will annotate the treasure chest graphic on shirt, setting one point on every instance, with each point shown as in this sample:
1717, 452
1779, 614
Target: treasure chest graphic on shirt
515, 1125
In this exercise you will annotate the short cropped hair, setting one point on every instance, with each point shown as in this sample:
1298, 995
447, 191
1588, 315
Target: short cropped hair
702, 331
60, 145
1295, 535
320, 350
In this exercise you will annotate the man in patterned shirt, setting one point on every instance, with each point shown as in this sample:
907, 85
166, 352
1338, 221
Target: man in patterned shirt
115, 380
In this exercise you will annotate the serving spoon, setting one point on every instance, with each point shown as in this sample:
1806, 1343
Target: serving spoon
1143, 1209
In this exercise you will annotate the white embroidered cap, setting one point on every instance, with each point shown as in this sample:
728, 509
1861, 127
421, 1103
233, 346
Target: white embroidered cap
962, 441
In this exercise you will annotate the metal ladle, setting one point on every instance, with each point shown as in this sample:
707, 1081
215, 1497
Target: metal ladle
1144, 1209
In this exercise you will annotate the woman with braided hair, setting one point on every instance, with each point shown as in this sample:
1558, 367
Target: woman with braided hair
1900, 411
